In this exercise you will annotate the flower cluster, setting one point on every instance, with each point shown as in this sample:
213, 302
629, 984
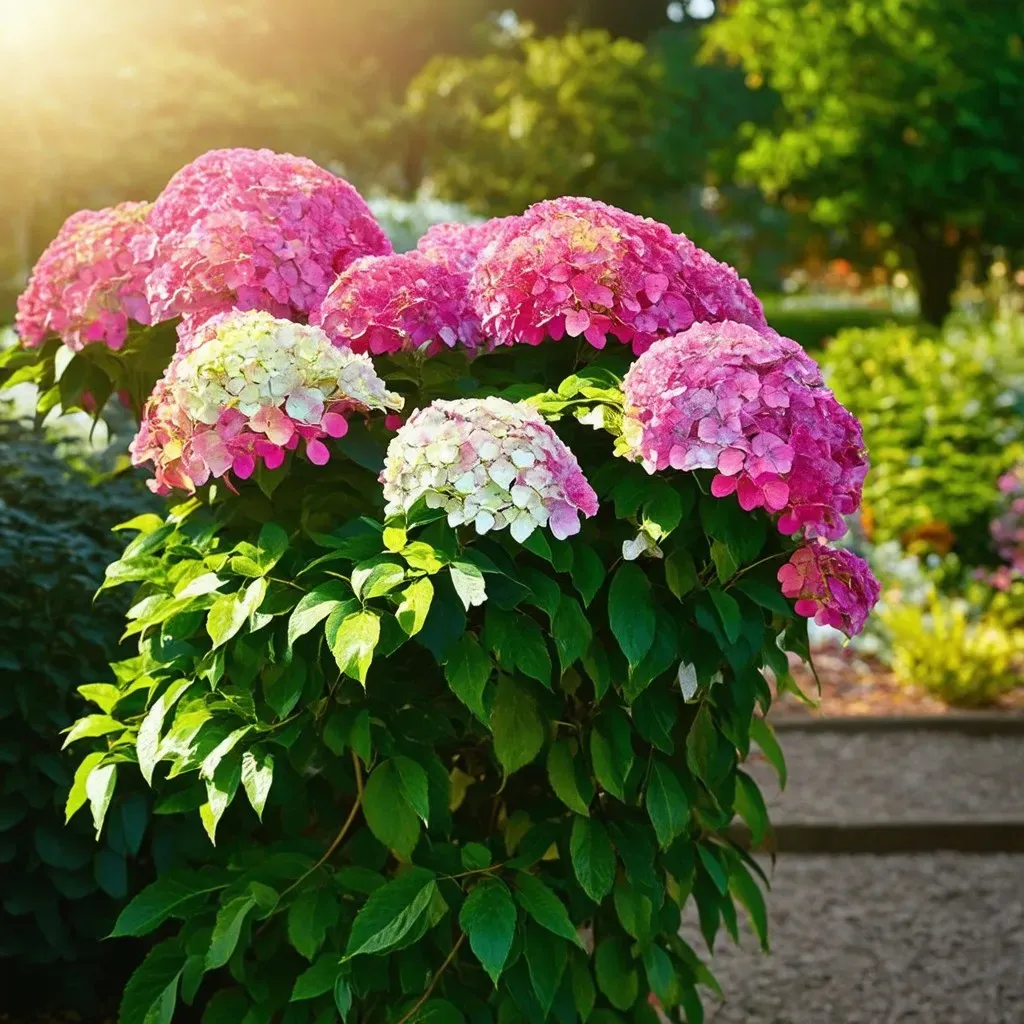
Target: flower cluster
90, 281
488, 462
254, 229
246, 388
577, 267
833, 585
398, 303
458, 246
1008, 527
752, 406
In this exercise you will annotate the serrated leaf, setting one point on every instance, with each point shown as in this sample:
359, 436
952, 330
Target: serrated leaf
544, 907
257, 778
415, 606
353, 643
174, 895
315, 606
587, 572
488, 917
413, 784
631, 611
151, 992
316, 980
309, 917
99, 788
568, 779
391, 913
546, 956
226, 930
516, 724
376, 578
220, 791
572, 632
467, 670
468, 581
593, 858
667, 806
387, 811
611, 751
91, 726
147, 742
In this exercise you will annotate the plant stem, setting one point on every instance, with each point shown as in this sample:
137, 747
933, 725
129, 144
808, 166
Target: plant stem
434, 980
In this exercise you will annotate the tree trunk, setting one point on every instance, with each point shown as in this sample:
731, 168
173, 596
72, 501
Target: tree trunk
938, 272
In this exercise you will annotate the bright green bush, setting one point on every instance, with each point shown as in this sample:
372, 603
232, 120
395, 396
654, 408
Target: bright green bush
939, 648
59, 890
942, 421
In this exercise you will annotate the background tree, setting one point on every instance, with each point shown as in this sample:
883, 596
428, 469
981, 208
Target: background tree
903, 113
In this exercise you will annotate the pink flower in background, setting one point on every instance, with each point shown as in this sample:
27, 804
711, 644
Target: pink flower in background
580, 268
834, 586
1008, 527
752, 406
398, 303
247, 388
488, 462
90, 281
458, 246
253, 229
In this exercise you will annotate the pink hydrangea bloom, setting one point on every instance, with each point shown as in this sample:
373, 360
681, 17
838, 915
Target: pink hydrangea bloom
577, 267
246, 389
254, 229
458, 246
398, 303
90, 281
752, 406
488, 462
1008, 526
834, 586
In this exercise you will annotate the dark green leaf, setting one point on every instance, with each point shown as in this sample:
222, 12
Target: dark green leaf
728, 611
387, 811
631, 611
516, 724
617, 976
488, 917
680, 572
751, 808
467, 670
174, 895
227, 929
571, 631
391, 913
611, 751
545, 959
151, 993
568, 777
764, 736
666, 803
544, 907
413, 785
316, 980
309, 917
587, 572
593, 858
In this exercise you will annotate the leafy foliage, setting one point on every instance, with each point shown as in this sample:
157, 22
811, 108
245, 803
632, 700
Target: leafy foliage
446, 775
59, 891
942, 421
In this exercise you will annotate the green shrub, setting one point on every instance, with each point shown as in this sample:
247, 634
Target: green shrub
942, 421
59, 890
942, 650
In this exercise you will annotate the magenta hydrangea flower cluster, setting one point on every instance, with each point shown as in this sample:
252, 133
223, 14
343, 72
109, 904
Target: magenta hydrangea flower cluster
253, 229
459, 246
90, 281
488, 462
832, 585
577, 267
753, 407
248, 388
399, 303
1008, 528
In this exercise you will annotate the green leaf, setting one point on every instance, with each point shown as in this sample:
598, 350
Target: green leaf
750, 806
713, 868
354, 642
617, 976
725, 563
728, 611
544, 592
176, 894
151, 993
467, 670
468, 581
531, 651
475, 856
587, 572
309, 917
765, 595
103, 695
544, 907
667, 805
764, 736
387, 811
708, 754
229, 612
546, 956
572, 632
220, 791
257, 777
593, 858
611, 751
77, 796
725, 521
343, 995
745, 888
516, 724
226, 930
92, 726
376, 577
680, 573
272, 544
584, 993
315, 606
413, 785
568, 778
488, 917
661, 975
147, 743
99, 788
631, 611
395, 538
316, 980
663, 511
420, 555
633, 909
391, 913
415, 605
219, 752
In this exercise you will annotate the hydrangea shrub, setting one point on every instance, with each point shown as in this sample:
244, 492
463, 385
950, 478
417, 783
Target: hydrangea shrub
462, 696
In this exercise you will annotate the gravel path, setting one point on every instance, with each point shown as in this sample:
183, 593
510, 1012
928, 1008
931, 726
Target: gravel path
910, 776
936, 939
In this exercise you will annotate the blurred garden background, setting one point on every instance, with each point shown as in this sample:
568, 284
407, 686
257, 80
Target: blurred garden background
860, 161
